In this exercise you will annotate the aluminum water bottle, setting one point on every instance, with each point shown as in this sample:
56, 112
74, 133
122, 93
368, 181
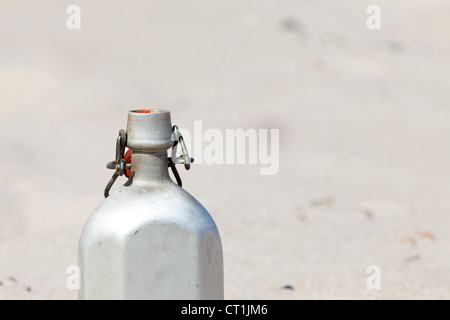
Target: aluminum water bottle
150, 239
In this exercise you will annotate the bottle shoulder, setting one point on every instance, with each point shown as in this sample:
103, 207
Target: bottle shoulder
158, 204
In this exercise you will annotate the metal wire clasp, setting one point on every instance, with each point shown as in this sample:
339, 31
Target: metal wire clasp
184, 158
120, 165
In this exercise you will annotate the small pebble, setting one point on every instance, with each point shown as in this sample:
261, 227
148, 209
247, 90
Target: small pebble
288, 287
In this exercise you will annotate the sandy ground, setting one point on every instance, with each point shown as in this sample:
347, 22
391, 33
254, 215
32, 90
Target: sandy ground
364, 176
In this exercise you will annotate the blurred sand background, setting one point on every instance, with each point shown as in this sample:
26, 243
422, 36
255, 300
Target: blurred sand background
364, 116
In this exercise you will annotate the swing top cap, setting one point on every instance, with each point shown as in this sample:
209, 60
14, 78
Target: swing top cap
149, 130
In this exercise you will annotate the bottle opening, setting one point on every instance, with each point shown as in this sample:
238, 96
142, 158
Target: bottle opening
148, 111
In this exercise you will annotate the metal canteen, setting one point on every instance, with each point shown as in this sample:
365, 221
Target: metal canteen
150, 239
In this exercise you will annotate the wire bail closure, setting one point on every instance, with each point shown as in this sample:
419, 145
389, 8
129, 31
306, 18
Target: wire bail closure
184, 158
120, 165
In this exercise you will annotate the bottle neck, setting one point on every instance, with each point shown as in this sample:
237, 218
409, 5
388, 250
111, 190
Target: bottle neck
149, 167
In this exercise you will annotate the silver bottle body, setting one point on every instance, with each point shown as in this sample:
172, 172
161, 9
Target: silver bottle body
150, 239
